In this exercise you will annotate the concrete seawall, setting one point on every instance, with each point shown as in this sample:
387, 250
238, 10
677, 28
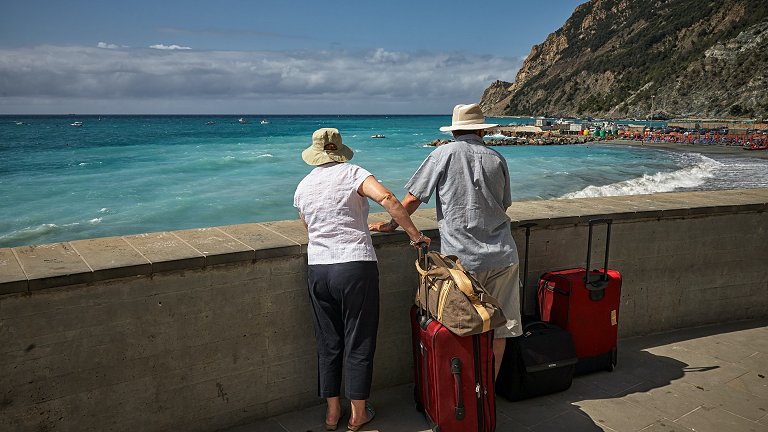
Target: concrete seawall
204, 329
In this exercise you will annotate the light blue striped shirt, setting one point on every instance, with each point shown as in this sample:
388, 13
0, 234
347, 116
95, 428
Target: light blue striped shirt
472, 189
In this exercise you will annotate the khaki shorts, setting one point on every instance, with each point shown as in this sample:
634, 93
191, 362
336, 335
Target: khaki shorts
504, 285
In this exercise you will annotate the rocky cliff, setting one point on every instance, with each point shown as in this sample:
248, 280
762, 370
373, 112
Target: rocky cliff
634, 58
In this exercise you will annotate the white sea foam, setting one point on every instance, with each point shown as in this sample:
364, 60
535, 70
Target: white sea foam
264, 155
28, 233
94, 221
496, 136
689, 177
104, 210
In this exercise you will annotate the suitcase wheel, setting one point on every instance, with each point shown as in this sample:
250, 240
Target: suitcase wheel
614, 358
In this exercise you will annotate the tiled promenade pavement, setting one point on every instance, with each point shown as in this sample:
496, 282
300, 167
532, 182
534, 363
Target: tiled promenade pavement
707, 379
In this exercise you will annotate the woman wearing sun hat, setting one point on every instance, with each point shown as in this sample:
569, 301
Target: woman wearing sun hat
343, 276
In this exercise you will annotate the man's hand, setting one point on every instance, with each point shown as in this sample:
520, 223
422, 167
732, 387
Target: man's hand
381, 227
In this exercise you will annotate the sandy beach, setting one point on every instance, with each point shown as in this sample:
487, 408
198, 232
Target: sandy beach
727, 151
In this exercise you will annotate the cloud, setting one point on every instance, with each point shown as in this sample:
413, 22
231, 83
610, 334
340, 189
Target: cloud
106, 45
381, 55
185, 81
169, 47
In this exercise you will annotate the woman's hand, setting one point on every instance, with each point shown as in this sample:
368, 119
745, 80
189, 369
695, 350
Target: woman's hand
421, 241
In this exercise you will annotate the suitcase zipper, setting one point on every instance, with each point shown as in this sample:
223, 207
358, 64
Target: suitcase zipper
425, 373
478, 382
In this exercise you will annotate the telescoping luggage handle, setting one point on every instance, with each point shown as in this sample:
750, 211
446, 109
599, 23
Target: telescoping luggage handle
527, 227
597, 287
424, 311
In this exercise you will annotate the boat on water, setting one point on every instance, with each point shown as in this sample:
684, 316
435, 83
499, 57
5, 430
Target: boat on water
378, 136
242, 120
211, 122
76, 124
264, 121
20, 123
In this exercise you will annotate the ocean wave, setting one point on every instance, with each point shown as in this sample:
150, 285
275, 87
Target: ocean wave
28, 234
213, 164
688, 177
43, 233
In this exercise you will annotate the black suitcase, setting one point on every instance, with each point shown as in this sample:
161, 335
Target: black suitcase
542, 360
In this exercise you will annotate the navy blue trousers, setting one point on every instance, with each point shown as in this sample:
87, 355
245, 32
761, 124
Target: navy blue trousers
345, 302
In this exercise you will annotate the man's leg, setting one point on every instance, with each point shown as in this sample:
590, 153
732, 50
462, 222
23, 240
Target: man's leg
499, 344
503, 284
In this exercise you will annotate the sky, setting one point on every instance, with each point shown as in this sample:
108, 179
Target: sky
263, 57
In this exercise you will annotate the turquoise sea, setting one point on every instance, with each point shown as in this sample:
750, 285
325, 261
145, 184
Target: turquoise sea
118, 175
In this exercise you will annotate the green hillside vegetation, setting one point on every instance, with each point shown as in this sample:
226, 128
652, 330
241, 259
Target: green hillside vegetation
620, 53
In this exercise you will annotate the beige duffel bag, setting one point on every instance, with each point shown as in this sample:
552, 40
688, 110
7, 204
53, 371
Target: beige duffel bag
452, 296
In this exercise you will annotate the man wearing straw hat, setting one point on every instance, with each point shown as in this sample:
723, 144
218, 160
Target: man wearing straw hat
472, 188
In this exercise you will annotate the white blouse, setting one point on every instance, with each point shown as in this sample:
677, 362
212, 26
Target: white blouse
336, 215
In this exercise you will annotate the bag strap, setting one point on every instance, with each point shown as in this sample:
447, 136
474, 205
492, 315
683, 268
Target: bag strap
465, 285
435, 272
440, 260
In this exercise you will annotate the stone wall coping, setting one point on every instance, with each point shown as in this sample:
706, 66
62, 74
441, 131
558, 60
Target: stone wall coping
44, 266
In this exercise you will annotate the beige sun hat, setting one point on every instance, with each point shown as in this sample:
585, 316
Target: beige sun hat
467, 117
326, 147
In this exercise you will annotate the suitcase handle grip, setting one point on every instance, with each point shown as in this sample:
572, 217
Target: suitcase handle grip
534, 324
604, 276
553, 288
456, 371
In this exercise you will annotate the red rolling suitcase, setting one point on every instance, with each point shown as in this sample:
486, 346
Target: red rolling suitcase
453, 376
587, 305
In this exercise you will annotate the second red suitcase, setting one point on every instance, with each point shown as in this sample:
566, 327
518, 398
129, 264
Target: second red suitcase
586, 303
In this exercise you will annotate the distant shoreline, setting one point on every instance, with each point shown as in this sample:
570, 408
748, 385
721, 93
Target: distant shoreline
721, 150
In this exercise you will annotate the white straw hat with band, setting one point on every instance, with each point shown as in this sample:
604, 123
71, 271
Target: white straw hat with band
326, 147
467, 117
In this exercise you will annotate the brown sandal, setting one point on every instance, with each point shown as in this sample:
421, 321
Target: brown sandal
334, 426
371, 415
